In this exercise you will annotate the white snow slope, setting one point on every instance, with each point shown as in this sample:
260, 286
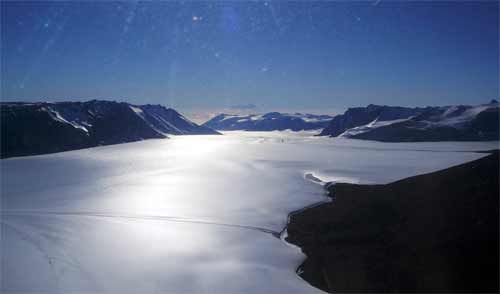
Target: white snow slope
187, 215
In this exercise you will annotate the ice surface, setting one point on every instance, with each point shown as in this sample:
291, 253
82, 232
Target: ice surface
193, 214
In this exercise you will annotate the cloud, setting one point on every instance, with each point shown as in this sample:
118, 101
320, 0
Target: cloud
243, 106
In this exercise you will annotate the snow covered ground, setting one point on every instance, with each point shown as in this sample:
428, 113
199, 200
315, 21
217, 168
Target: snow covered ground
191, 214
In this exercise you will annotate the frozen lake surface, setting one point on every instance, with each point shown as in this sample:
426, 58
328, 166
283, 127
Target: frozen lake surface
191, 214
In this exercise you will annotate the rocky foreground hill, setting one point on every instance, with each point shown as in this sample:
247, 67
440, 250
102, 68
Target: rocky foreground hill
437, 232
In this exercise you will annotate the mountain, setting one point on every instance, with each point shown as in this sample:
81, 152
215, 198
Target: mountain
168, 121
363, 116
271, 121
38, 128
435, 232
402, 124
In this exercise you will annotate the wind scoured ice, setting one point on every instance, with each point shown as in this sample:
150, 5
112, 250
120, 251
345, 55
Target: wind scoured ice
192, 214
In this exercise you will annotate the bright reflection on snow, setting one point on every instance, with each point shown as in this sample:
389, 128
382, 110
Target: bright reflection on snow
188, 214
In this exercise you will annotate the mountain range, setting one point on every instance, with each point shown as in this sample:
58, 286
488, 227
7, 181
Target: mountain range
403, 124
38, 128
272, 121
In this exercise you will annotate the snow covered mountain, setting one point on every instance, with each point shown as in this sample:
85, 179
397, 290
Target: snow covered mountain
37, 128
400, 124
271, 121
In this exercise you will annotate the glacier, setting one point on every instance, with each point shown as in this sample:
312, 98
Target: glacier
193, 214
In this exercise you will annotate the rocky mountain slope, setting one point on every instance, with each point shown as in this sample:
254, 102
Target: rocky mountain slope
401, 124
37, 128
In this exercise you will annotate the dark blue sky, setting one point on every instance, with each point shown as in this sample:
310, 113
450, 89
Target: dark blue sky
290, 55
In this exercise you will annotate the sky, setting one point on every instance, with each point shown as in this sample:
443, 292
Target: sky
304, 55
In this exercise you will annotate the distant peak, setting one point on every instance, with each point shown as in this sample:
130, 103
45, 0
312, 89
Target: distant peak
374, 106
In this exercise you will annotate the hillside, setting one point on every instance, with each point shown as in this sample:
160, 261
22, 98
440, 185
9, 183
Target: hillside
436, 232
38, 128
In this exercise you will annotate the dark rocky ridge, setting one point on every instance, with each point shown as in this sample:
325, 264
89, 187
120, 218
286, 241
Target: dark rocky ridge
484, 127
358, 116
448, 123
437, 232
39, 128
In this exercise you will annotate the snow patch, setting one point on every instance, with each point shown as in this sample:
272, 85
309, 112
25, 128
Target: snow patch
370, 126
58, 117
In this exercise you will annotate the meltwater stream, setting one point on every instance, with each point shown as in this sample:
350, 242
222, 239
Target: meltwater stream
192, 214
